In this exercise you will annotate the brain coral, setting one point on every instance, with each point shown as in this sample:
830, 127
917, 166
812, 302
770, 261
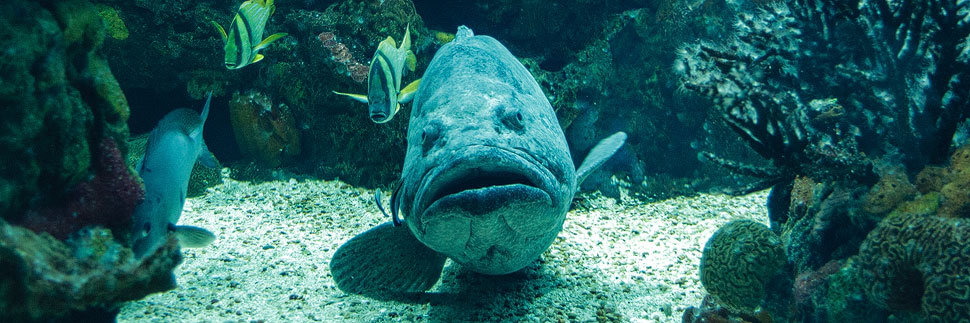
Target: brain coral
919, 263
738, 262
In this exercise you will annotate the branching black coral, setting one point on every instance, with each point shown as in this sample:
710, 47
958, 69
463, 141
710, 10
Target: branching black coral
921, 53
824, 87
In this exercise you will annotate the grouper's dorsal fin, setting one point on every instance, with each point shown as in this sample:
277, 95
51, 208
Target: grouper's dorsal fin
463, 33
599, 155
385, 259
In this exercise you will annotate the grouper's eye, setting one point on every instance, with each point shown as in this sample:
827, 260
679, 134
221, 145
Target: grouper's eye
429, 135
511, 118
146, 229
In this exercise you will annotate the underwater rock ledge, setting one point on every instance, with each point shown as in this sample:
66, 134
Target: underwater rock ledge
66, 195
45, 279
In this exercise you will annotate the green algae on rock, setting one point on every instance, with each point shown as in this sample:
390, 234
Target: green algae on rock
60, 100
114, 25
63, 139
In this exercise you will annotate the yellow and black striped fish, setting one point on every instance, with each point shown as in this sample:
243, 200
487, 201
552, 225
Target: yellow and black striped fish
243, 40
384, 92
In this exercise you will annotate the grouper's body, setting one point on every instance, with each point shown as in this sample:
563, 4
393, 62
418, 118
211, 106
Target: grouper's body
487, 178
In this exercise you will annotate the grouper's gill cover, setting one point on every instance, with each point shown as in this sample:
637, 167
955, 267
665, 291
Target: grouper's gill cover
172, 149
487, 178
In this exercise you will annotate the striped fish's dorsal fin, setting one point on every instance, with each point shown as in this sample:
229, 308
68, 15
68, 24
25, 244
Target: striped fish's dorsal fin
406, 41
222, 32
272, 8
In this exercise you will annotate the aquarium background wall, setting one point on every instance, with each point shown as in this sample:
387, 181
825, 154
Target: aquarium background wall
605, 67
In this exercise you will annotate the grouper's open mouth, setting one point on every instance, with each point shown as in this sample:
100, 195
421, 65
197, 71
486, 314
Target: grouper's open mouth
483, 179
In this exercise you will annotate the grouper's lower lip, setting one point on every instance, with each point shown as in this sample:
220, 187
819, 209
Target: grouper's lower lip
488, 199
484, 175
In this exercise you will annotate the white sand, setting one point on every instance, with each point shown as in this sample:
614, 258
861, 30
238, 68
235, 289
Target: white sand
617, 261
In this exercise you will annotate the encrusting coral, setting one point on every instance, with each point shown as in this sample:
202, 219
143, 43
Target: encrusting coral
738, 262
919, 263
956, 185
107, 199
893, 188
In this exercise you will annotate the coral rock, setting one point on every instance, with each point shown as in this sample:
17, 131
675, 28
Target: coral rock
812, 283
955, 184
738, 262
108, 199
264, 131
45, 279
960, 160
919, 263
60, 100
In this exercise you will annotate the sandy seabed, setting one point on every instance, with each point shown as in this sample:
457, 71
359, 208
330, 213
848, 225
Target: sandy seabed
614, 261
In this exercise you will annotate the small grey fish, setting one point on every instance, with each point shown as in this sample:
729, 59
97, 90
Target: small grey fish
173, 147
487, 179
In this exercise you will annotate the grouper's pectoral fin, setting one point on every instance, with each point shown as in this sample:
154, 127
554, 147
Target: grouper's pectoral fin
599, 155
385, 259
357, 97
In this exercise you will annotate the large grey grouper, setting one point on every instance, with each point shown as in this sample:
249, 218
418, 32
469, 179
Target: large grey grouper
487, 177
172, 149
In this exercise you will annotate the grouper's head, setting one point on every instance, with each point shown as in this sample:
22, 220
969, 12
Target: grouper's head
488, 176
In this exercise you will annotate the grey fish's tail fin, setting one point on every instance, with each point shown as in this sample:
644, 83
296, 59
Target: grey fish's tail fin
385, 259
599, 155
